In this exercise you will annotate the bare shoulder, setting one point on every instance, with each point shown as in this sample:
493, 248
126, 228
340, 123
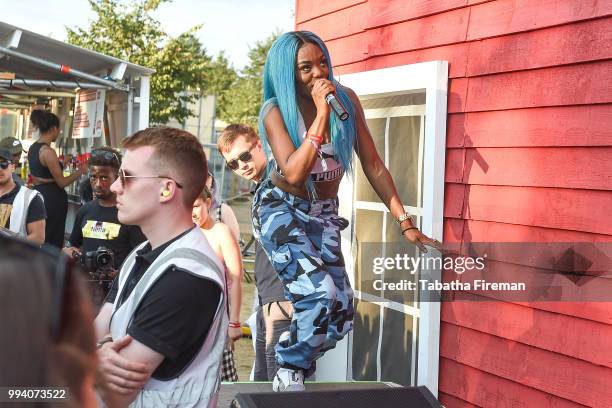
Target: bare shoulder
46, 148
347, 89
273, 116
221, 231
47, 151
351, 94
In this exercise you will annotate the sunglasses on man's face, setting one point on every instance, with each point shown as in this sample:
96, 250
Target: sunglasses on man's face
4, 165
123, 176
243, 157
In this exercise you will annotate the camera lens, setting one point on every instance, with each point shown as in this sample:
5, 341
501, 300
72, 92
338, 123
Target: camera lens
104, 259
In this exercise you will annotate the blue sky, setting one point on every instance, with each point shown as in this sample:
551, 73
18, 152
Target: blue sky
230, 25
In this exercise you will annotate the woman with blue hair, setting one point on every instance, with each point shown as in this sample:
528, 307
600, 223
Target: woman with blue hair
295, 209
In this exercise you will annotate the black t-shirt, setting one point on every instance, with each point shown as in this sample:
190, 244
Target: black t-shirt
174, 316
36, 210
269, 286
96, 226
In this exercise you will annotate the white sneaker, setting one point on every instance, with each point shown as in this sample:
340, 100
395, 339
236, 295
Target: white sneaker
287, 380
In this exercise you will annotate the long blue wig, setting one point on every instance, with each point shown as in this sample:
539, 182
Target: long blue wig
279, 88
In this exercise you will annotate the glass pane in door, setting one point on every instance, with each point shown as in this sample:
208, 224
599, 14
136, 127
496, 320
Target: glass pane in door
404, 156
363, 190
366, 330
396, 347
366, 231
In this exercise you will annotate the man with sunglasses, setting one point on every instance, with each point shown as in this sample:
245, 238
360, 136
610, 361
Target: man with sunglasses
21, 209
241, 148
97, 225
163, 327
243, 152
15, 147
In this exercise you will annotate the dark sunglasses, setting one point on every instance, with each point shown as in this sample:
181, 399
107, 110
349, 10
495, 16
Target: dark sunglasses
59, 265
4, 165
106, 155
123, 178
243, 157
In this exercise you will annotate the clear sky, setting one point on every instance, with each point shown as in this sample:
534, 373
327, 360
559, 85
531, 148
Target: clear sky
230, 25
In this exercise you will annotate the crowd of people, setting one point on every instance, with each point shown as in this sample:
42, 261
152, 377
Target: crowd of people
163, 249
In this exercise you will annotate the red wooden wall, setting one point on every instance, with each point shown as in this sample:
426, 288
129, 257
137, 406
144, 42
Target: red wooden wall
529, 158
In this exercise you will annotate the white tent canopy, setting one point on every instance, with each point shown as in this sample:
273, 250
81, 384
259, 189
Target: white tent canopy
46, 67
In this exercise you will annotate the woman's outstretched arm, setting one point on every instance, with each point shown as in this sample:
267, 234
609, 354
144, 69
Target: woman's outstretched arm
380, 179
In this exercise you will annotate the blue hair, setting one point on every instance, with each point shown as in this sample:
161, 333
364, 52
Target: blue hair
279, 89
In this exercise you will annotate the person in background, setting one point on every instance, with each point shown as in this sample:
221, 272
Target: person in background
241, 148
227, 249
22, 210
48, 176
47, 336
14, 146
219, 210
163, 327
97, 226
84, 189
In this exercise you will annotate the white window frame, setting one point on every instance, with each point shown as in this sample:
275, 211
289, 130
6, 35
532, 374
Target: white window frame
431, 77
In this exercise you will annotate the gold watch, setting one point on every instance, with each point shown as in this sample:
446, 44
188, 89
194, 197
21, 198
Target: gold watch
404, 217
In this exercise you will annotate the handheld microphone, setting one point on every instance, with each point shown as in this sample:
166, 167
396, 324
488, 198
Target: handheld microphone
337, 106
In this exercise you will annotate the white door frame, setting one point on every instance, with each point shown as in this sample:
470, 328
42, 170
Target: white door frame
431, 77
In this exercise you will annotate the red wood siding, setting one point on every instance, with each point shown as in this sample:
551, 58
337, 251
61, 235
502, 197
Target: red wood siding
308, 9
553, 373
529, 159
582, 125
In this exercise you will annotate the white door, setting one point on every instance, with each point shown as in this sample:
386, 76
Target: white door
396, 333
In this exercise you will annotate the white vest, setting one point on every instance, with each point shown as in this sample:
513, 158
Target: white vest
19, 213
198, 384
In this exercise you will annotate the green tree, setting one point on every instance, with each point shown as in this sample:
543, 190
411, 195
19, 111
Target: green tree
130, 33
220, 78
241, 101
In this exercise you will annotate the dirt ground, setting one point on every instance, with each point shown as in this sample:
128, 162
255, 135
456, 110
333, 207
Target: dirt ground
244, 355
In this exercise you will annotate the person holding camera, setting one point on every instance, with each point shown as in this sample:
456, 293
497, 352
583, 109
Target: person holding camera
98, 240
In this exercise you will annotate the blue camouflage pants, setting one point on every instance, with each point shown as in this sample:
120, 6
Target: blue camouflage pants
302, 240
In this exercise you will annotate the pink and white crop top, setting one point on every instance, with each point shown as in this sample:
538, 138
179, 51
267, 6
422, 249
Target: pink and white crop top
326, 168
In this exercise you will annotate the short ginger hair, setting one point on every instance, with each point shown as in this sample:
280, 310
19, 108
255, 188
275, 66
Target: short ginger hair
233, 132
178, 154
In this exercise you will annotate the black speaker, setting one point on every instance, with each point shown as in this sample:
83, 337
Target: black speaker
417, 397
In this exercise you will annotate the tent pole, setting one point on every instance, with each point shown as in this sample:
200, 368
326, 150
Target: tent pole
46, 83
130, 109
143, 100
63, 68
